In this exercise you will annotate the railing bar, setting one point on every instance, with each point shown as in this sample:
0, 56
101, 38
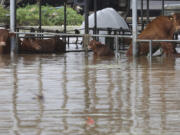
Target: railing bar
75, 35
150, 48
95, 35
158, 40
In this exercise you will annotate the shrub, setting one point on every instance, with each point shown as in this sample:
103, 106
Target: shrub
50, 16
4, 15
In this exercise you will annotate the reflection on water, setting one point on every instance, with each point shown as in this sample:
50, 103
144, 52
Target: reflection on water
77, 94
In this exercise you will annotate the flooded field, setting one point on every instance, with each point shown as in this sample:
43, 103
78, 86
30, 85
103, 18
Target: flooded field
77, 94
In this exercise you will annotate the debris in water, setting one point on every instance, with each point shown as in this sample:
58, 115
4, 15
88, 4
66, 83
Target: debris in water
90, 121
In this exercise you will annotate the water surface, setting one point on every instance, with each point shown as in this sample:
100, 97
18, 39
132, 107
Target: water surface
78, 94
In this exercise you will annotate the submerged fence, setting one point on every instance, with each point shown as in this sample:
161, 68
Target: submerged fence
116, 45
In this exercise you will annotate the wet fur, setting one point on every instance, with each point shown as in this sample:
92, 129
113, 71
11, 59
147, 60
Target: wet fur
162, 27
100, 49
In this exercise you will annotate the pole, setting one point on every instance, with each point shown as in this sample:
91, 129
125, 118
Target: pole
95, 17
150, 50
86, 36
86, 16
65, 16
162, 7
12, 25
116, 46
134, 26
142, 25
40, 23
147, 11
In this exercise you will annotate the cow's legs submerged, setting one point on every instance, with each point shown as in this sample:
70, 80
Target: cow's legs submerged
168, 48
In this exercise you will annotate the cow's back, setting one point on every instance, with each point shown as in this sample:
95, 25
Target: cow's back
47, 45
103, 50
158, 28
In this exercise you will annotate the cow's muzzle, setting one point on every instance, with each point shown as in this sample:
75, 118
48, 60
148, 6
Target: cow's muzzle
37, 47
89, 47
2, 43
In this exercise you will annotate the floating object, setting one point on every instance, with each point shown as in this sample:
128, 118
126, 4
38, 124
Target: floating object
90, 121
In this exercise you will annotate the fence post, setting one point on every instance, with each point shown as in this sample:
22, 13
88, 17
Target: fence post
134, 26
86, 42
86, 11
116, 46
12, 26
150, 49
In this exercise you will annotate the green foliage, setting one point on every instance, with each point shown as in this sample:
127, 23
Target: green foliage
4, 15
50, 16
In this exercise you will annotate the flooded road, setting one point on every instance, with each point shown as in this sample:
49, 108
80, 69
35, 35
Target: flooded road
77, 94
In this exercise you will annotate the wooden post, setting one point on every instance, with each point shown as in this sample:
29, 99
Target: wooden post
86, 42
86, 16
86, 36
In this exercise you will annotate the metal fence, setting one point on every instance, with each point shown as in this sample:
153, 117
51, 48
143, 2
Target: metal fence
82, 36
73, 37
78, 37
151, 41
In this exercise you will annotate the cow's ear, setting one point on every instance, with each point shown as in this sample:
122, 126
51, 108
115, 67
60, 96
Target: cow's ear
174, 16
171, 18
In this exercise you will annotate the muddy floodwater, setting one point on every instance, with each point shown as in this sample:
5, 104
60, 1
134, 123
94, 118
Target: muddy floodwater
78, 94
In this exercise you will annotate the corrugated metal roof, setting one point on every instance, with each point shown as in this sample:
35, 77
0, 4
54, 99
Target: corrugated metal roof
155, 4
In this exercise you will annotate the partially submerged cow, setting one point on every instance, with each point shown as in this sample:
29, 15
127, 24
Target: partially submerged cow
52, 45
5, 41
100, 49
162, 27
31, 45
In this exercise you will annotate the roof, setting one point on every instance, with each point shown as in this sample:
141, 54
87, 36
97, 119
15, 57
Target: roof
156, 5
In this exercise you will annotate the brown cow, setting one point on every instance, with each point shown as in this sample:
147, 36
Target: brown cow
100, 49
52, 45
162, 27
27, 46
4, 41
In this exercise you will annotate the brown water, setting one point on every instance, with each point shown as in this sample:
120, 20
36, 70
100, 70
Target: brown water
76, 94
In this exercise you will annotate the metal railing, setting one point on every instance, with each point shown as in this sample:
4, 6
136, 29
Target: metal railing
74, 36
63, 35
151, 41
116, 37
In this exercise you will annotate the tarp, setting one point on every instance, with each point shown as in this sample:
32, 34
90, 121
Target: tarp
107, 18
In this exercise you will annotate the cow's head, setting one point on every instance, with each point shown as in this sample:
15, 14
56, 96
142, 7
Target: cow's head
30, 44
4, 37
93, 44
176, 21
